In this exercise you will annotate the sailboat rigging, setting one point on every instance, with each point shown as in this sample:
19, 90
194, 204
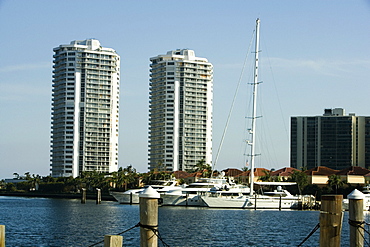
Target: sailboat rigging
279, 198
254, 111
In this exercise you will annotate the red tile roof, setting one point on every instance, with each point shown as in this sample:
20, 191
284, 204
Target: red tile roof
181, 174
258, 172
284, 172
232, 172
354, 170
321, 170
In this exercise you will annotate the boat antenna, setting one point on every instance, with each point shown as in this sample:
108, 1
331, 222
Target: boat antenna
254, 112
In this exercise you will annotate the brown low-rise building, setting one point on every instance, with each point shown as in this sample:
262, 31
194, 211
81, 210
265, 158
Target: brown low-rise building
354, 175
320, 175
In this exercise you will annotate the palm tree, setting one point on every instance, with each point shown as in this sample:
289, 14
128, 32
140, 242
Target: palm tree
336, 182
267, 177
300, 178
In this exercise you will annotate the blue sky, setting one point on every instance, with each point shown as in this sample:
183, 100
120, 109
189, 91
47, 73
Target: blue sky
315, 55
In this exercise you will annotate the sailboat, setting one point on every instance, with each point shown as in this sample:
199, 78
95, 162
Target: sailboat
277, 199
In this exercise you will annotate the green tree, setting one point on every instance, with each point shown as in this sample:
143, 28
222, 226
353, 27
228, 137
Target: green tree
335, 182
300, 178
267, 177
202, 167
10, 187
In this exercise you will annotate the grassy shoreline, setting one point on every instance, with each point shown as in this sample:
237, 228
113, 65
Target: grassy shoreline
104, 197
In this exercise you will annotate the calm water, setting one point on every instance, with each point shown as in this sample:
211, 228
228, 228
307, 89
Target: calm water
60, 222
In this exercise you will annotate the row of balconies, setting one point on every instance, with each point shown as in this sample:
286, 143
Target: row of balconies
196, 70
96, 61
88, 72
94, 144
98, 76
102, 67
100, 101
95, 139
98, 120
97, 115
98, 91
96, 159
93, 83
100, 154
97, 149
97, 129
96, 124
97, 96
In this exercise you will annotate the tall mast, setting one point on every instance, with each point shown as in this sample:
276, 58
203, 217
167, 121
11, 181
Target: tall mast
254, 113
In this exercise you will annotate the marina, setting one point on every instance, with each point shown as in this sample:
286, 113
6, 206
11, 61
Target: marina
67, 222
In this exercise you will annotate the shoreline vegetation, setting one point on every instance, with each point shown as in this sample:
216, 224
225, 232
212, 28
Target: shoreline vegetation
127, 178
89, 196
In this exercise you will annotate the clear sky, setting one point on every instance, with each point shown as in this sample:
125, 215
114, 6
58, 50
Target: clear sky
315, 55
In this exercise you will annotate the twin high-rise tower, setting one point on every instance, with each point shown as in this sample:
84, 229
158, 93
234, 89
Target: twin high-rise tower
85, 110
180, 119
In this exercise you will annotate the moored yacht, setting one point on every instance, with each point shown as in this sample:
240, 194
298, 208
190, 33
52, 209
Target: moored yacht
191, 195
277, 199
132, 196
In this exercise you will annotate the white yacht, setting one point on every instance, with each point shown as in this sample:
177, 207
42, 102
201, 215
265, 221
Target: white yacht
277, 199
191, 195
132, 196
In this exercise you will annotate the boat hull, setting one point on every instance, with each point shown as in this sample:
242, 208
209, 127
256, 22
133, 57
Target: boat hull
182, 200
245, 202
125, 198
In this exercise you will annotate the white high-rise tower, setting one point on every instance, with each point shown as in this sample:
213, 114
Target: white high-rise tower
85, 110
180, 119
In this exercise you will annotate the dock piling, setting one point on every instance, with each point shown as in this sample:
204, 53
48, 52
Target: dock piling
331, 220
98, 196
2, 235
279, 203
149, 217
356, 218
83, 196
113, 241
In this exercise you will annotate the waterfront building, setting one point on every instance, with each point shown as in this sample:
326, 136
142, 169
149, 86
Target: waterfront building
180, 105
85, 112
334, 140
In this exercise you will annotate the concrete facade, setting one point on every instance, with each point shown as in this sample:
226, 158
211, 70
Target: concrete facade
180, 105
85, 109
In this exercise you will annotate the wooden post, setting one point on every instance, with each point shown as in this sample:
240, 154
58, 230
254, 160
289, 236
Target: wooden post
130, 198
279, 203
98, 196
255, 201
113, 241
2, 235
83, 196
148, 217
356, 218
186, 198
331, 220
